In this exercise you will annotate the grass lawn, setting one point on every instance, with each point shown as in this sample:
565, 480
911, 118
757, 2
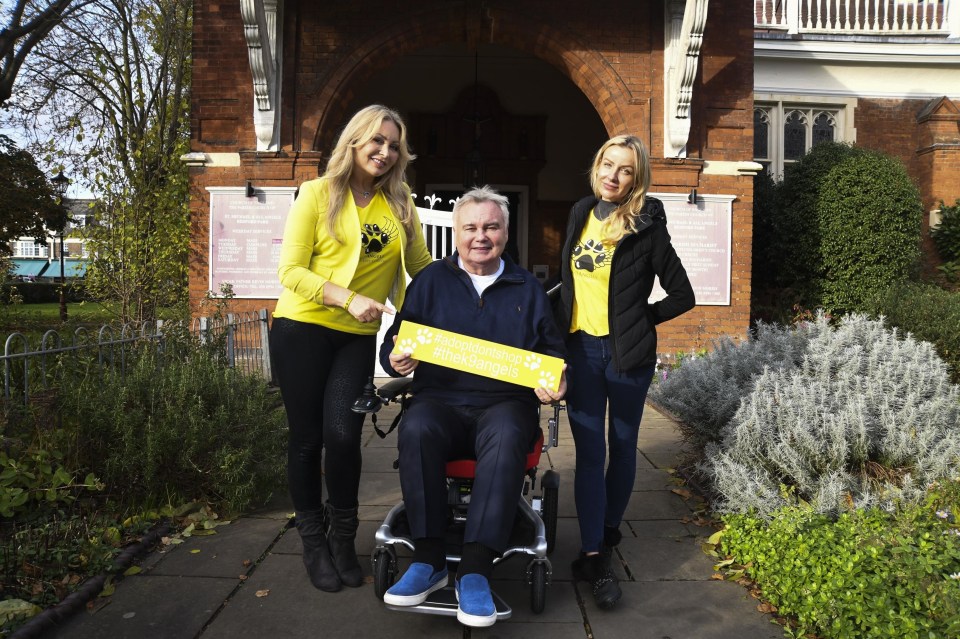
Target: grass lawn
46, 315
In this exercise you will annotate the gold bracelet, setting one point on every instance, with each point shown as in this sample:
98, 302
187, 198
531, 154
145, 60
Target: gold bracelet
346, 305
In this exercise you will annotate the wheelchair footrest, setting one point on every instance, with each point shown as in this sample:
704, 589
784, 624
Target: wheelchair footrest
444, 602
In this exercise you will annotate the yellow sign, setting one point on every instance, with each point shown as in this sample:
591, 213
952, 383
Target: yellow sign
478, 356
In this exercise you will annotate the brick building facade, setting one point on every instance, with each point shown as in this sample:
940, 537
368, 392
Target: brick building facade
550, 81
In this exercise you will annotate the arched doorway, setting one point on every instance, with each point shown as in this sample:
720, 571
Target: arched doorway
535, 130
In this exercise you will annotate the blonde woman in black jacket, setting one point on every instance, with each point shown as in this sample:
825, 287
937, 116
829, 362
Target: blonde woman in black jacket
617, 241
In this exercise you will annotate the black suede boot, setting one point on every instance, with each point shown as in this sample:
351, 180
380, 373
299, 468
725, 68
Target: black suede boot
343, 532
312, 526
611, 539
596, 571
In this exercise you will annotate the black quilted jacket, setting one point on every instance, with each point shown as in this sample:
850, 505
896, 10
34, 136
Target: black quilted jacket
637, 258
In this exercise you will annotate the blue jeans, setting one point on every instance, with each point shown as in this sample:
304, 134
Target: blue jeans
593, 383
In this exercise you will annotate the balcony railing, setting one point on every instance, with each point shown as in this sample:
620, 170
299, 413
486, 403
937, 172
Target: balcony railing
860, 17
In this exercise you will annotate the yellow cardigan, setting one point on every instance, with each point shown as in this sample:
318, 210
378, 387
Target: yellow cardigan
310, 257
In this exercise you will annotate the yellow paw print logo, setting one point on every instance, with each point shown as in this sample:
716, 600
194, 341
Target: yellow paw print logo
407, 346
424, 335
532, 362
547, 380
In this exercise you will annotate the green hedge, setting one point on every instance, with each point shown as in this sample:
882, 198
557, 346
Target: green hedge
929, 313
843, 225
869, 213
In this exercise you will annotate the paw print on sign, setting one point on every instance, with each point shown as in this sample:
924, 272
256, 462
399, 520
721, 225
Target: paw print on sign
407, 346
532, 362
424, 335
547, 380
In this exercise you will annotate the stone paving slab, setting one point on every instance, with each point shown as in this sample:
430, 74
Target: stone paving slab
664, 559
681, 610
151, 606
219, 555
292, 608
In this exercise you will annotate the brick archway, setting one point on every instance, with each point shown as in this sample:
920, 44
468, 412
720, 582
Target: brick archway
327, 108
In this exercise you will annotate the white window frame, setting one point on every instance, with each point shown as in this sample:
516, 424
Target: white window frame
778, 106
29, 248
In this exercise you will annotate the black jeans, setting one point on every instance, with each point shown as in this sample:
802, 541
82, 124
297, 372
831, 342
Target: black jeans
321, 371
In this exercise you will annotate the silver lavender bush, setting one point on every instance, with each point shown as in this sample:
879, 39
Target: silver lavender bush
841, 417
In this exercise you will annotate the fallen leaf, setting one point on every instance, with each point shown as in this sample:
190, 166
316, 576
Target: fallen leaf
246, 562
767, 607
263, 593
243, 577
194, 551
11, 609
716, 576
132, 570
683, 492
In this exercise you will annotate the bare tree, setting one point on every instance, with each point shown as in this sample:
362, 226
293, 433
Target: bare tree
27, 23
107, 95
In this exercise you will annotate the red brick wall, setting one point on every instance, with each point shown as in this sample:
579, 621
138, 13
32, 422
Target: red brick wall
612, 51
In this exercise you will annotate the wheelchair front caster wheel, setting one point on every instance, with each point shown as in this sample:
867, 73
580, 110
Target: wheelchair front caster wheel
538, 587
384, 572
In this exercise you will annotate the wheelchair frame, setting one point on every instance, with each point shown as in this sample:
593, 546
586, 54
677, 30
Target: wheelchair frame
540, 514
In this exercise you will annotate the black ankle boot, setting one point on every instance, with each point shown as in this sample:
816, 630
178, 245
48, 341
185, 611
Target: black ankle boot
312, 526
611, 539
343, 532
611, 536
596, 571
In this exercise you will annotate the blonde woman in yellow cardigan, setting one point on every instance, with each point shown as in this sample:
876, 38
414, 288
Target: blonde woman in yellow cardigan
349, 237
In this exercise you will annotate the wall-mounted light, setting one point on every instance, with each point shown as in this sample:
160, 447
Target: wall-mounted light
692, 198
250, 192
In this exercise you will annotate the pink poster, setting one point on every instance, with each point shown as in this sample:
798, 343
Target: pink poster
701, 236
245, 238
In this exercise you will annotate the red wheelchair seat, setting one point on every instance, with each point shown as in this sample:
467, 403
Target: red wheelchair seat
466, 468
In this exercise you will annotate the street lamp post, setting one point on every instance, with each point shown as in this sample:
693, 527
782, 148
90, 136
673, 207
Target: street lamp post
60, 183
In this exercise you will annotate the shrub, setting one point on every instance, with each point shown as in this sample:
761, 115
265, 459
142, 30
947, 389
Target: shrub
867, 418
843, 224
927, 312
869, 213
946, 237
845, 416
704, 393
179, 431
797, 225
869, 573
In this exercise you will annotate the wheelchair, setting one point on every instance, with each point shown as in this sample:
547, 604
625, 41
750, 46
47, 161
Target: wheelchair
534, 531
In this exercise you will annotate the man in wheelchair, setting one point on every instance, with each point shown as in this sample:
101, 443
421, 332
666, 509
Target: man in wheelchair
482, 293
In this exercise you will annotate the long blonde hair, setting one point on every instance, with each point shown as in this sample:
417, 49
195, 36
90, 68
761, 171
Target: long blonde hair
625, 217
361, 128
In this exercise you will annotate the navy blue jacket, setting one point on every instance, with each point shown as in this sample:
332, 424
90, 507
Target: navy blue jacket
514, 310
637, 258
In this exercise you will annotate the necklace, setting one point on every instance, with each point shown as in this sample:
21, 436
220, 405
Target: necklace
363, 194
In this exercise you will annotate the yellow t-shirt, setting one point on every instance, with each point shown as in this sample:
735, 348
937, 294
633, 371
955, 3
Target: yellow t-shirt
380, 237
590, 265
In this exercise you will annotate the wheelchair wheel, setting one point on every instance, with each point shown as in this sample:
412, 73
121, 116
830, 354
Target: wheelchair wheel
551, 504
538, 587
384, 572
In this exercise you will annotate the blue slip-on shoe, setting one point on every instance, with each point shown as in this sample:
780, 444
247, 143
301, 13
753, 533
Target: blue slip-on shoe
475, 603
415, 585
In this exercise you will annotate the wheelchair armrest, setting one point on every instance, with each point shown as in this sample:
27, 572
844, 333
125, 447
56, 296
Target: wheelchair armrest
373, 399
395, 389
